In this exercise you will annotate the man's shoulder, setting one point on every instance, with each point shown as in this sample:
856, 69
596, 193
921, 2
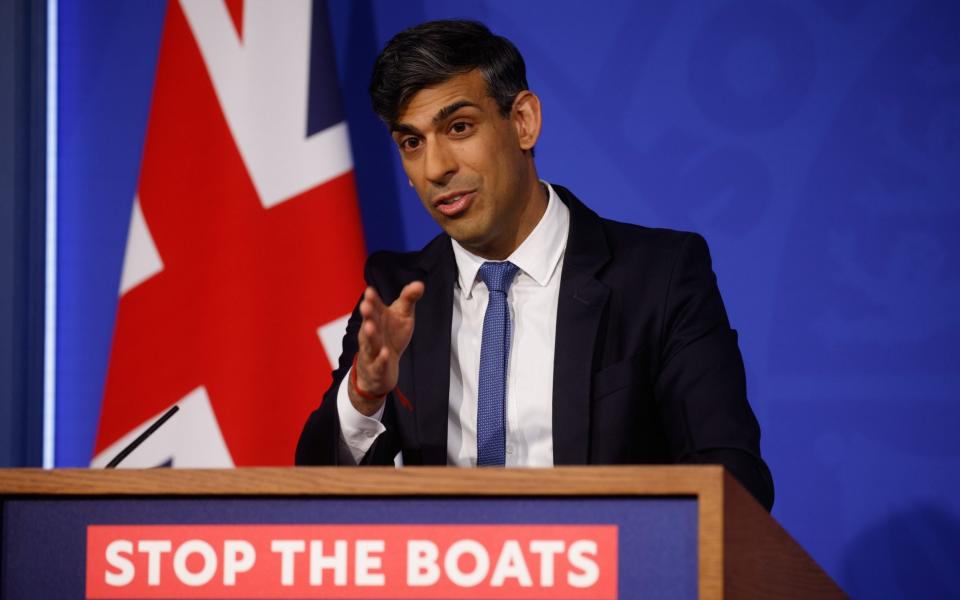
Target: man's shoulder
631, 235
634, 259
390, 267
625, 240
650, 254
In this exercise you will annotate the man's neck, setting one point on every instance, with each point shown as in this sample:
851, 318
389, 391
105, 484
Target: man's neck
533, 211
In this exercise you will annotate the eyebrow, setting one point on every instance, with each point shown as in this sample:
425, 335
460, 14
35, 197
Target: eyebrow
441, 115
448, 110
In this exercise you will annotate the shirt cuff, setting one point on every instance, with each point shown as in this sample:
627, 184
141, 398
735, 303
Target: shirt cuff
357, 430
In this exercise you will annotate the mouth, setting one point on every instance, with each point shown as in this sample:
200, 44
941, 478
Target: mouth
455, 203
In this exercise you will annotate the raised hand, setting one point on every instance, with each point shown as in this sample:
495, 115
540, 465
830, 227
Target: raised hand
384, 334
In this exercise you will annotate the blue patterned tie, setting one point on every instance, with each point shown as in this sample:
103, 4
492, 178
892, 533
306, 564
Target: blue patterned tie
494, 354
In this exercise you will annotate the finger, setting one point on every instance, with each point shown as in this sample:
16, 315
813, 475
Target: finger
371, 340
380, 362
374, 334
372, 314
409, 295
371, 294
364, 350
368, 326
371, 306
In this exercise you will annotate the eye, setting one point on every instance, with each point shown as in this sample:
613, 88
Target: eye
408, 144
460, 127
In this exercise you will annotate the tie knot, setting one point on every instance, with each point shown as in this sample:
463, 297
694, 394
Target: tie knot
498, 275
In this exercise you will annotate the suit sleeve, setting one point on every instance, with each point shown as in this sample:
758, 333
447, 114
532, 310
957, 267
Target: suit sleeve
701, 387
320, 440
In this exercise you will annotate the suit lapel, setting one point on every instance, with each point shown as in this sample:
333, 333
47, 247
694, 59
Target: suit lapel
431, 350
579, 310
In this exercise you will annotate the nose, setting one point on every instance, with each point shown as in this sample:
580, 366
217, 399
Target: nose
440, 163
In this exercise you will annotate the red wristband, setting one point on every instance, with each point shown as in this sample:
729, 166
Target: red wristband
356, 388
353, 383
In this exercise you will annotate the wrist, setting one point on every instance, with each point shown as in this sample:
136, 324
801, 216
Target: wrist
366, 396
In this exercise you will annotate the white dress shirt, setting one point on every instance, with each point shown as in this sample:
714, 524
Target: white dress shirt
533, 300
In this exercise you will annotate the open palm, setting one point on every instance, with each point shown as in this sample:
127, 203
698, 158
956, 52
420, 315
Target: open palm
384, 334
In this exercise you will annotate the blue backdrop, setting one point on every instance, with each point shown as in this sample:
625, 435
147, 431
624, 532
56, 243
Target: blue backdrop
816, 145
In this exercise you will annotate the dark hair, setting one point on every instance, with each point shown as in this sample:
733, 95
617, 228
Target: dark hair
432, 53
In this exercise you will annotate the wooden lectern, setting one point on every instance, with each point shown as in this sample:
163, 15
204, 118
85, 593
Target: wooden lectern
680, 531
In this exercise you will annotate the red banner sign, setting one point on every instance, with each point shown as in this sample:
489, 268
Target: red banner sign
352, 561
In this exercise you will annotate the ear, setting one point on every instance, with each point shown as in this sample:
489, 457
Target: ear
526, 118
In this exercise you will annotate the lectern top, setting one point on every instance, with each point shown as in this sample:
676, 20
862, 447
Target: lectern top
338, 481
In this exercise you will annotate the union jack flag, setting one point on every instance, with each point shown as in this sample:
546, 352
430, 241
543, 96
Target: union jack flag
245, 250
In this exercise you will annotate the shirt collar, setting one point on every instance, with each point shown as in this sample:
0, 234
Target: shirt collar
537, 256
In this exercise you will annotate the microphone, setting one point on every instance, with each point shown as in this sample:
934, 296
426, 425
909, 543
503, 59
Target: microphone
142, 437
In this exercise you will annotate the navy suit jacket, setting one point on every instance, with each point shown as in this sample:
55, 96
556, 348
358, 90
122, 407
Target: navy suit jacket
646, 367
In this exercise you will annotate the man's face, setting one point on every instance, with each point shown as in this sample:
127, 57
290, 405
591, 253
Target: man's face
466, 162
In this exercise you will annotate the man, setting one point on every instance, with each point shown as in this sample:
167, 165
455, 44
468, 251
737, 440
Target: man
531, 332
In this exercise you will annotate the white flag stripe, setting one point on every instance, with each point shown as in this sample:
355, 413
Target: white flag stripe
190, 439
262, 86
141, 261
331, 336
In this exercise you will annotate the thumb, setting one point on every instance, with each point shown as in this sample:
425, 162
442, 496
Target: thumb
409, 295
